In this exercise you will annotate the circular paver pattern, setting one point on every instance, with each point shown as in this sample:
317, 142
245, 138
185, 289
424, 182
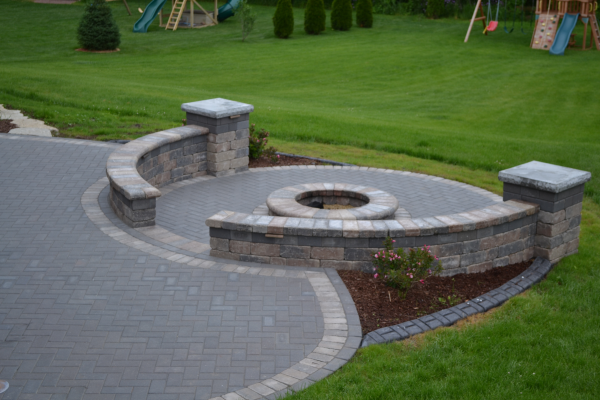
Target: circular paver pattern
183, 211
368, 202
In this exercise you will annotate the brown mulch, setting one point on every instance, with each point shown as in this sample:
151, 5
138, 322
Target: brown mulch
283, 161
6, 125
379, 305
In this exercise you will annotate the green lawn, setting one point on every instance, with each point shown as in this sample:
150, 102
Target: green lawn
406, 94
409, 85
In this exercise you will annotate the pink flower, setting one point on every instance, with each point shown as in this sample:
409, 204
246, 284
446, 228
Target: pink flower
376, 256
422, 281
376, 275
411, 276
393, 241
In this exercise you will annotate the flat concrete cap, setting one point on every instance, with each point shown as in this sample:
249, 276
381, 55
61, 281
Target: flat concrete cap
217, 108
542, 176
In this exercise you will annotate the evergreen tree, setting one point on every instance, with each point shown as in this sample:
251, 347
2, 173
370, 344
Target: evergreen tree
341, 15
97, 29
314, 17
283, 20
364, 13
435, 9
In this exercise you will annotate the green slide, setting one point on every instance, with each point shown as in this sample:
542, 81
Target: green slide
228, 10
142, 24
564, 34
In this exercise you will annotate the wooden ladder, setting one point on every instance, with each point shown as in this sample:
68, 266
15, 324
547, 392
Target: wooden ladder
595, 31
176, 13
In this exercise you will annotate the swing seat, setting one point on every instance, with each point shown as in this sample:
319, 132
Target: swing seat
492, 26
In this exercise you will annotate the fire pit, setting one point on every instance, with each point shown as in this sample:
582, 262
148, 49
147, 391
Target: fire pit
332, 201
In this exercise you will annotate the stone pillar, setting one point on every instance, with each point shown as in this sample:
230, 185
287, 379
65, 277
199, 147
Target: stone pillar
228, 123
559, 192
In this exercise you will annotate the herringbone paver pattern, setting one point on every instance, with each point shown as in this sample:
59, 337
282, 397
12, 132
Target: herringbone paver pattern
84, 316
184, 211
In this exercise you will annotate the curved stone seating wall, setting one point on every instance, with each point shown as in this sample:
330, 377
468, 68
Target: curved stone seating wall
137, 169
475, 241
217, 145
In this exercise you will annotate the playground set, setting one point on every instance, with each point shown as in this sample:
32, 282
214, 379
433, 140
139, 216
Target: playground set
181, 17
548, 13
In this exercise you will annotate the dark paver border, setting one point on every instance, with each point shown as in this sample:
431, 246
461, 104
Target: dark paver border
494, 298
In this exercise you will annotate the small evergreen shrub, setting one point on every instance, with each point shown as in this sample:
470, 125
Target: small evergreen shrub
283, 20
388, 7
97, 29
341, 15
247, 18
416, 6
364, 13
314, 17
435, 9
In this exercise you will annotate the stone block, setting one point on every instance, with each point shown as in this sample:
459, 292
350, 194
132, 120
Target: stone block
516, 258
169, 165
302, 262
552, 230
218, 147
294, 251
218, 167
471, 246
199, 157
491, 254
481, 267
327, 253
571, 234
472, 258
221, 137
451, 249
548, 242
190, 169
501, 262
254, 258
573, 211
242, 134
220, 157
551, 218
239, 153
572, 246
345, 265
239, 143
450, 262
511, 236
220, 174
263, 249
542, 176
239, 162
489, 242
236, 246
551, 254
219, 244
364, 254
225, 254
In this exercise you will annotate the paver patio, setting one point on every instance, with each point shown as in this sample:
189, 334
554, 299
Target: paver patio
90, 308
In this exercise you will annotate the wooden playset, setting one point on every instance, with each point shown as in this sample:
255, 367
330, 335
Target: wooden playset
180, 17
548, 34
548, 13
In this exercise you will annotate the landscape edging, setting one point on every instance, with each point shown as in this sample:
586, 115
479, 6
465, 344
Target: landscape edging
449, 316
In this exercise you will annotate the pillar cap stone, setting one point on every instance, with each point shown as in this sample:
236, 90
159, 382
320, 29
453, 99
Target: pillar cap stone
217, 108
547, 177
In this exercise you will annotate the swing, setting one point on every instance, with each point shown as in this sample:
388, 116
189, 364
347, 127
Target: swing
506, 18
493, 24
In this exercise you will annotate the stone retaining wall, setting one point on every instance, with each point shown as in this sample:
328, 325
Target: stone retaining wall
467, 242
217, 145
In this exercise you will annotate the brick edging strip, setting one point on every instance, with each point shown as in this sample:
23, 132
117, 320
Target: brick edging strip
494, 298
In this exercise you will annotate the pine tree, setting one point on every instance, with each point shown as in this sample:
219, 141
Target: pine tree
97, 29
283, 20
341, 15
364, 13
314, 17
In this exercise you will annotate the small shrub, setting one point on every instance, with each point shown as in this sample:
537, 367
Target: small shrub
388, 7
97, 29
257, 144
314, 17
283, 20
341, 15
247, 18
435, 9
401, 270
416, 6
364, 13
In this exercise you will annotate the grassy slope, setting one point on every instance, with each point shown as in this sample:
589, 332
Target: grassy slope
407, 86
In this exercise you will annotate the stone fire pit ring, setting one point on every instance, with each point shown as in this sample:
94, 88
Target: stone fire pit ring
370, 203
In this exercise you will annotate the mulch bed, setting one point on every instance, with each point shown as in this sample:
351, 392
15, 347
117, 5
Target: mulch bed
283, 161
6, 125
379, 305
